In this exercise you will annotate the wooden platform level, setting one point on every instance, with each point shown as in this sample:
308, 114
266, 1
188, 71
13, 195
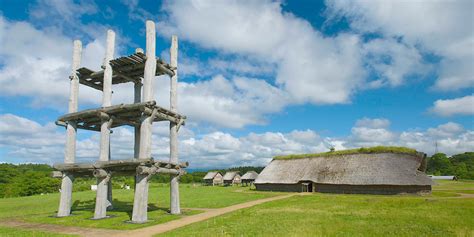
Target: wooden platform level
119, 167
123, 114
125, 69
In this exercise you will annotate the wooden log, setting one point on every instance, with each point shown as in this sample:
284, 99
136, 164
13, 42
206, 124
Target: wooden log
108, 110
102, 202
118, 163
56, 174
137, 99
162, 116
140, 201
65, 201
172, 172
107, 82
162, 68
73, 166
100, 173
144, 170
150, 64
173, 165
174, 184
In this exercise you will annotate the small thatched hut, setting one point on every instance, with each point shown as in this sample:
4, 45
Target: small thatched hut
213, 178
249, 177
231, 178
377, 170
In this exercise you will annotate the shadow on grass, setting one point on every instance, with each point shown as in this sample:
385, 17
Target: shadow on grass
118, 206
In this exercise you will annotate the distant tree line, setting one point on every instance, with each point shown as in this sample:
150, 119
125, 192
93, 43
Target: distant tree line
460, 165
32, 179
26, 180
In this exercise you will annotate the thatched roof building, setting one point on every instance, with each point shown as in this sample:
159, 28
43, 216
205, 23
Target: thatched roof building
213, 178
249, 177
366, 170
232, 177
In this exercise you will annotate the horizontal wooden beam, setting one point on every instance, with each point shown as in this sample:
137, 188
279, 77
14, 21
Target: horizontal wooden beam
119, 165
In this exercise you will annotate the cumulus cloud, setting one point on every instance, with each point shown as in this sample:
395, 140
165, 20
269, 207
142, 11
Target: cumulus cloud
438, 31
24, 140
307, 63
393, 61
371, 132
37, 64
451, 137
233, 102
457, 106
229, 102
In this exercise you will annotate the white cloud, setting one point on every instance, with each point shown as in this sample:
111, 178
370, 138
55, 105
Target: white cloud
308, 64
449, 129
45, 143
451, 137
37, 64
393, 61
457, 106
433, 26
225, 102
371, 132
66, 16
373, 123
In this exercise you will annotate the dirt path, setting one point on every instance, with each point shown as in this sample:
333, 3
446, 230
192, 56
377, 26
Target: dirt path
146, 231
161, 228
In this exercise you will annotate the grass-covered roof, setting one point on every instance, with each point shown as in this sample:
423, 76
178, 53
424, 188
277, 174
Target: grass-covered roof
362, 150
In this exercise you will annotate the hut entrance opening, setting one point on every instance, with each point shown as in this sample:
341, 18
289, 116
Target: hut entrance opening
307, 187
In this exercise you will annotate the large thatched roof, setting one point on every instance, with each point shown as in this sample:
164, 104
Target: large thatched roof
350, 169
230, 175
210, 175
251, 175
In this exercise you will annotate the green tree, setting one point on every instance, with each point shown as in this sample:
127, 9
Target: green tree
439, 164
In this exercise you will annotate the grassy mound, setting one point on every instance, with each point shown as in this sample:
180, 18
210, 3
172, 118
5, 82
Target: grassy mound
362, 150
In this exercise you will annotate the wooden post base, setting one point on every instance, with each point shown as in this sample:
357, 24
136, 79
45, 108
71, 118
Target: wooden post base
65, 201
140, 202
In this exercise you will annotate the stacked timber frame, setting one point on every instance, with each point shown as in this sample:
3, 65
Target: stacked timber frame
139, 69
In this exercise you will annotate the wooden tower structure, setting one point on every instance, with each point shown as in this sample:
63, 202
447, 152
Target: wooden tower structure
139, 69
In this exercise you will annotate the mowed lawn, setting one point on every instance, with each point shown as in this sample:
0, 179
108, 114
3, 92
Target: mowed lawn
42, 208
445, 213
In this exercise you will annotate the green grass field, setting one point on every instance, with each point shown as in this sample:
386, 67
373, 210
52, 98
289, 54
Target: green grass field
41, 209
447, 212
8, 231
349, 215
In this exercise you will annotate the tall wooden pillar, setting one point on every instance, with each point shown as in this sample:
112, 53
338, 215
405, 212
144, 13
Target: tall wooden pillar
174, 184
102, 202
137, 99
140, 202
71, 130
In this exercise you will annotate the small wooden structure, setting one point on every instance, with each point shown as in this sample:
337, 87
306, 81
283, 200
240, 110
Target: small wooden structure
248, 178
231, 178
140, 69
443, 177
213, 178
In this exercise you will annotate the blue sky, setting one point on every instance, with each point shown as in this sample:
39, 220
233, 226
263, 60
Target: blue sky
257, 78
